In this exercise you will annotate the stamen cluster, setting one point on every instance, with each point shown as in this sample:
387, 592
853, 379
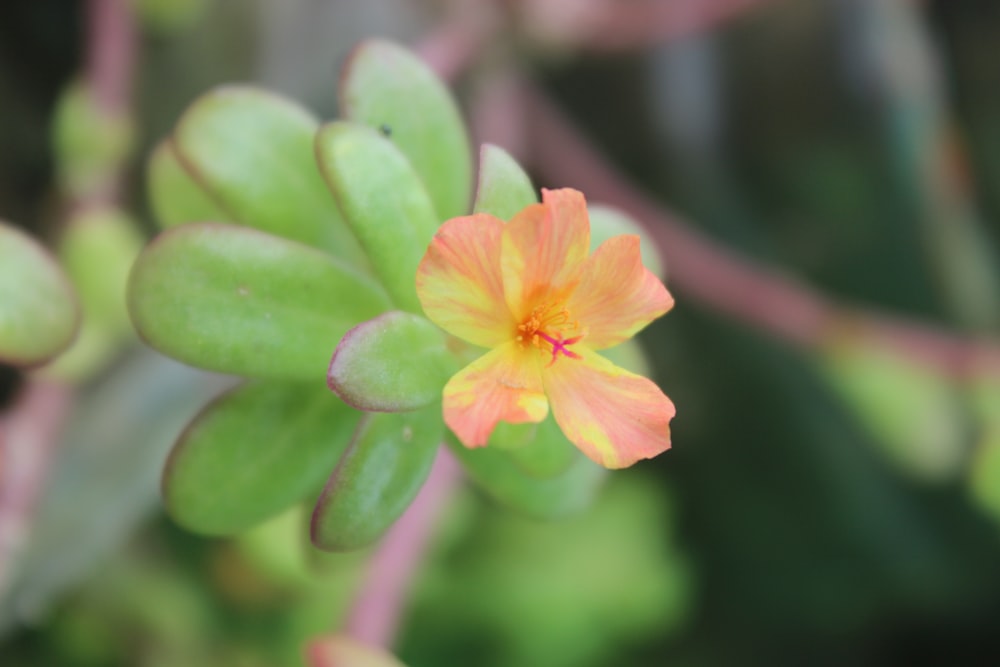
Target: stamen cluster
547, 324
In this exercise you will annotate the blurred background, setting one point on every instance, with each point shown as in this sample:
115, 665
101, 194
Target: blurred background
824, 178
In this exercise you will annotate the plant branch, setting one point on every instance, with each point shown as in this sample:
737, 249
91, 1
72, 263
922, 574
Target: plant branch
110, 58
29, 432
374, 617
612, 26
459, 40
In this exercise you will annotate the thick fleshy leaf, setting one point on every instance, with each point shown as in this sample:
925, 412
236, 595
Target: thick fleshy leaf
511, 437
501, 478
631, 356
389, 89
90, 141
39, 313
503, 189
253, 453
548, 453
985, 470
607, 222
237, 300
383, 201
617, 296
97, 248
914, 411
543, 250
459, 282
253, 152
615, 417
502, 385
176, 197
395, 362
379, 476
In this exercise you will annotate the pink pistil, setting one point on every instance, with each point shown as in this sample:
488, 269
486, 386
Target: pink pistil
559, 345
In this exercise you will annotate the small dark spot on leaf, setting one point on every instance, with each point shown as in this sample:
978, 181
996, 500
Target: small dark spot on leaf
385, 130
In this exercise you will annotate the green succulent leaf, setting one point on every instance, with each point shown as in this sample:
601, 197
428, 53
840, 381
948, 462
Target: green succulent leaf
39, 312
378, 477
504, 188
383, 201
395, 362
505, 480
606, 222
389, 89
630, 356
914, 411
97, 249
89, 143
237, 300
510, 437
176, 197
254, 452
252, 151
984, 481
549, 453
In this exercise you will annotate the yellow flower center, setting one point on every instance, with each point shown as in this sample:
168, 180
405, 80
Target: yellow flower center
545, 328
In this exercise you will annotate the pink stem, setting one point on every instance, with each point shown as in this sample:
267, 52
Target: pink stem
28, 435
110, 61
454, 45
634, 25
29, 432
110, 58
374, 617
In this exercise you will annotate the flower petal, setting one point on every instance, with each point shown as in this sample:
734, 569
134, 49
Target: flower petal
544, 248
503, 384
459, 283
613, 416
617, 296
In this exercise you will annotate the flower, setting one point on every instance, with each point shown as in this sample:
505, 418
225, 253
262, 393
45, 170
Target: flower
528, 290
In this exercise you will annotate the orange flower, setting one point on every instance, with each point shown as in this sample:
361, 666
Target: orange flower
528, 290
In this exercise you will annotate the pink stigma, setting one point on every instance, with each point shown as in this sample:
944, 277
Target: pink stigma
559, 345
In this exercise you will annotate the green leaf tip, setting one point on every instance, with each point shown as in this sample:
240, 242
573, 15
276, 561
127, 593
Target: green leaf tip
378, 477
252, 453
395, 362
389, 88
383, 201
503, 188
39, 310
175, 195
251, 151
